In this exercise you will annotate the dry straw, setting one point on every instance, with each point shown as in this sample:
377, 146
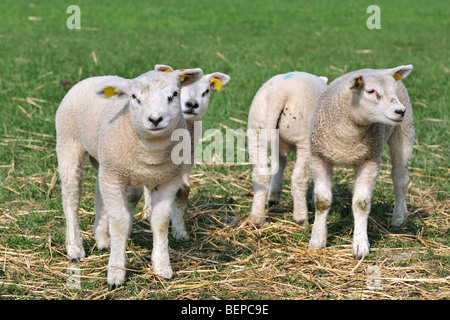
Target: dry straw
227, 257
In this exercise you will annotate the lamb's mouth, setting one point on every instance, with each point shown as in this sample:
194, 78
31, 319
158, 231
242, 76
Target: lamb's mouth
396, 120
157, 129
189, 112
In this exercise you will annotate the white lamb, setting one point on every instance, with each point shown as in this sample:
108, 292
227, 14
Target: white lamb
357, 114
125, 127
285, 102
194, 104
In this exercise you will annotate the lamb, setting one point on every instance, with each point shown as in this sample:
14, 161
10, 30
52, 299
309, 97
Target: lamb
357, 114
194, 104
285, 102
125, 127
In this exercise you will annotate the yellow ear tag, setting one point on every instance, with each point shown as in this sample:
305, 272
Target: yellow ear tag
184, 76
357, 83
397, 76
167, 70
110, 91
216, 83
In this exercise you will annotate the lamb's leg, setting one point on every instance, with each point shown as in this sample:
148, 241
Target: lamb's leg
261, 181
258, 152
148, 203
322, 175
400, 148
276, 184
70, 167
179, 231
163, 198
300, 178
101, 224
133, 197
120, 222
366, 177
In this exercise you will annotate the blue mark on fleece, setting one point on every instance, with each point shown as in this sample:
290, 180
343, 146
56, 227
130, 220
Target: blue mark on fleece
289, 75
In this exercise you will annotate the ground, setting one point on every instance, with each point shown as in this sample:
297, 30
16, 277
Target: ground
227, 257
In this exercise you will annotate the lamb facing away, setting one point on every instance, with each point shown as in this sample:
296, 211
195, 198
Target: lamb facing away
194, 103
285, 102
357, 114
125, 127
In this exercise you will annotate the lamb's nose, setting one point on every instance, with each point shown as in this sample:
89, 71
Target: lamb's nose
400, 112
155, 121
193, 104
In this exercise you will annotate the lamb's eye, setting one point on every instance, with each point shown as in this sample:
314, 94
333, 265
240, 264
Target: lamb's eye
205, 93
133, 96
170, 99
371, 91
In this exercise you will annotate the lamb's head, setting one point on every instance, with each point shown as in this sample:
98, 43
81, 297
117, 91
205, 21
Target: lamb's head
153, 99
374, 95
195, 96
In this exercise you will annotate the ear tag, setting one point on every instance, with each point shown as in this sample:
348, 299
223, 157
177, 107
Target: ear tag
167, 70
110, 91
184, 76
217, 84
397, 76
357, 83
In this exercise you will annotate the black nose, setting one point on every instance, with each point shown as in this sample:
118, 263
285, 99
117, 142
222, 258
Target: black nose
155, 121
193, 104
400, 112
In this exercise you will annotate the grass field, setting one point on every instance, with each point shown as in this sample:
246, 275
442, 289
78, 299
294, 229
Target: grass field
227, 258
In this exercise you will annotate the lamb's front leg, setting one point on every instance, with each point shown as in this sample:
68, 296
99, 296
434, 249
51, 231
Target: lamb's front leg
401, 148
114, 195
163, 197
366, 177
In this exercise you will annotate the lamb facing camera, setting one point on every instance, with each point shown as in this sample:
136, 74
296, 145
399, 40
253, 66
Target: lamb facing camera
125, 127
194, 99
357, 114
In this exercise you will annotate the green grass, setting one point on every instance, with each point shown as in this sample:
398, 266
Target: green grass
251, 41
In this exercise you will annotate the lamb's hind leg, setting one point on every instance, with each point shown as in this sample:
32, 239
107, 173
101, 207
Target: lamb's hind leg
258, 153
322, 175
101, 224
400, 148
70, 167
179, 231
300, 178
276, 184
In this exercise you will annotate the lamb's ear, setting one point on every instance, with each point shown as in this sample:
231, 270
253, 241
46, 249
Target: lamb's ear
400, 72
163, 68
110, 90
324, 79
356, 82
217, 80
188, 76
